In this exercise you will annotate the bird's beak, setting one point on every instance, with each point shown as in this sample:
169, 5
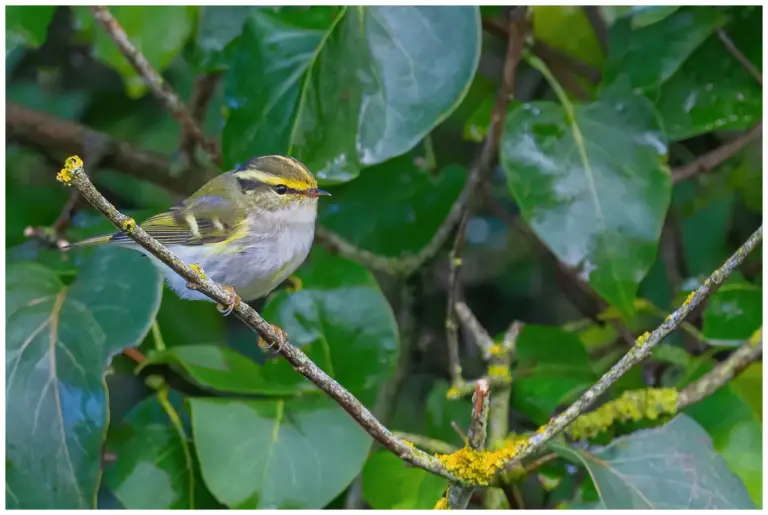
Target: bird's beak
317, 193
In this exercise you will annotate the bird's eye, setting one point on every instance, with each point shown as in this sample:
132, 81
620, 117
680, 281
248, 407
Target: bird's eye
280, 189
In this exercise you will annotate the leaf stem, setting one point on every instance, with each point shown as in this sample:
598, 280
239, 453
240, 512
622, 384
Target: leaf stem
162, 397
158, 336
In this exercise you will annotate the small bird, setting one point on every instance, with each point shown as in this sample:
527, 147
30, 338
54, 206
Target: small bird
249, 229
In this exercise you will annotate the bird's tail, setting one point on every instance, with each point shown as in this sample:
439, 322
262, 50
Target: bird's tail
97, 240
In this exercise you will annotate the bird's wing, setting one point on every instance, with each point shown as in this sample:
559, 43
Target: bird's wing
200, 220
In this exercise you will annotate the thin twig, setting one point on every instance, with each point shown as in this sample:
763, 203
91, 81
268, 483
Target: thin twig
517, 31
154, 80
74, 175
459, 495
472, 325
716, 157
597, 22
742, 357
431, 445
202, 94
638, 353
735, 52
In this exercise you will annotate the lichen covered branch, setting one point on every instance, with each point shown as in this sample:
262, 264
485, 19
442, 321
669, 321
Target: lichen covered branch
74, 175
639, 352
153, 79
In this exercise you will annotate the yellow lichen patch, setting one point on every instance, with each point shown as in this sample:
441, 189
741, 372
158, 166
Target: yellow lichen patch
453, 393
409, 444
689, 298
73, 163
129, 225
442, 504
198, 270
479, 467
631, 406
64, 176
499, 371
457, 261
496, 350
642, 339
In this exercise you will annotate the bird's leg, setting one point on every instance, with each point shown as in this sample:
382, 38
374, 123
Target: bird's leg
234, 301
282, 337
295, 284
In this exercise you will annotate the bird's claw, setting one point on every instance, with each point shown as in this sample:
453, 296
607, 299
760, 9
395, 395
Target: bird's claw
232, 304
296, 284
282, 337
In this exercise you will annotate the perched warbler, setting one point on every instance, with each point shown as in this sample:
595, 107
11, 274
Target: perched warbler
249, 228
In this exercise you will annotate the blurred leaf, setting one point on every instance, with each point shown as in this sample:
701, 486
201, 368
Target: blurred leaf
670, 467
477, 125
219, 26
732, 314
158, 32
150, 469
567, 28
26, 25
277, 454
669, 42
553, 367
749, 386
63, 104
389, 485
402, 206
222, 369
58, 342
565, 178
183, 322
292, 68
348, 330
647, 15
735, 430
441, 411
712, 90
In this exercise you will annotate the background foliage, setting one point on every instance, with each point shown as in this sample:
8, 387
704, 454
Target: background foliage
387, 106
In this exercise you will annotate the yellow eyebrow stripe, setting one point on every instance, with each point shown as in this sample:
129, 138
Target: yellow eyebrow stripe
266, 178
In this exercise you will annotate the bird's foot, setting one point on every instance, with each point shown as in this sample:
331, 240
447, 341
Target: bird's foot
295, 285
282, 337
234, 301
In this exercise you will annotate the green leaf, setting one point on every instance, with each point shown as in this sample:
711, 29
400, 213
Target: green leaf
219, 26
158, 32
348, 330
668, 42
553, 367
477, 125
732, 314
402, 206
26, 25
735, 429
389, 485
222, 369
749, 386
670, 467
150, 469
297, 453
647, 15
183, 322
341, 88
441, 411
712, 90
568, 29
595, 188
58, 341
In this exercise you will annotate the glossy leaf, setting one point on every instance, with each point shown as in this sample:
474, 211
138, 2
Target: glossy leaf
223, 369
669, 41
26, 25
402, 206
649, 14
712, 90
158, 32
219, 26
553, 368
58, 342
339, 88
735, 428
567, 28
347, 329
389, 485
669, 467
297, 453
595, 188
732, 314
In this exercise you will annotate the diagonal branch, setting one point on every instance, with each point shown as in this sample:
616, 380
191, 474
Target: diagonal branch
638, 353
74, 175
735, 52
716, 157
154, 80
